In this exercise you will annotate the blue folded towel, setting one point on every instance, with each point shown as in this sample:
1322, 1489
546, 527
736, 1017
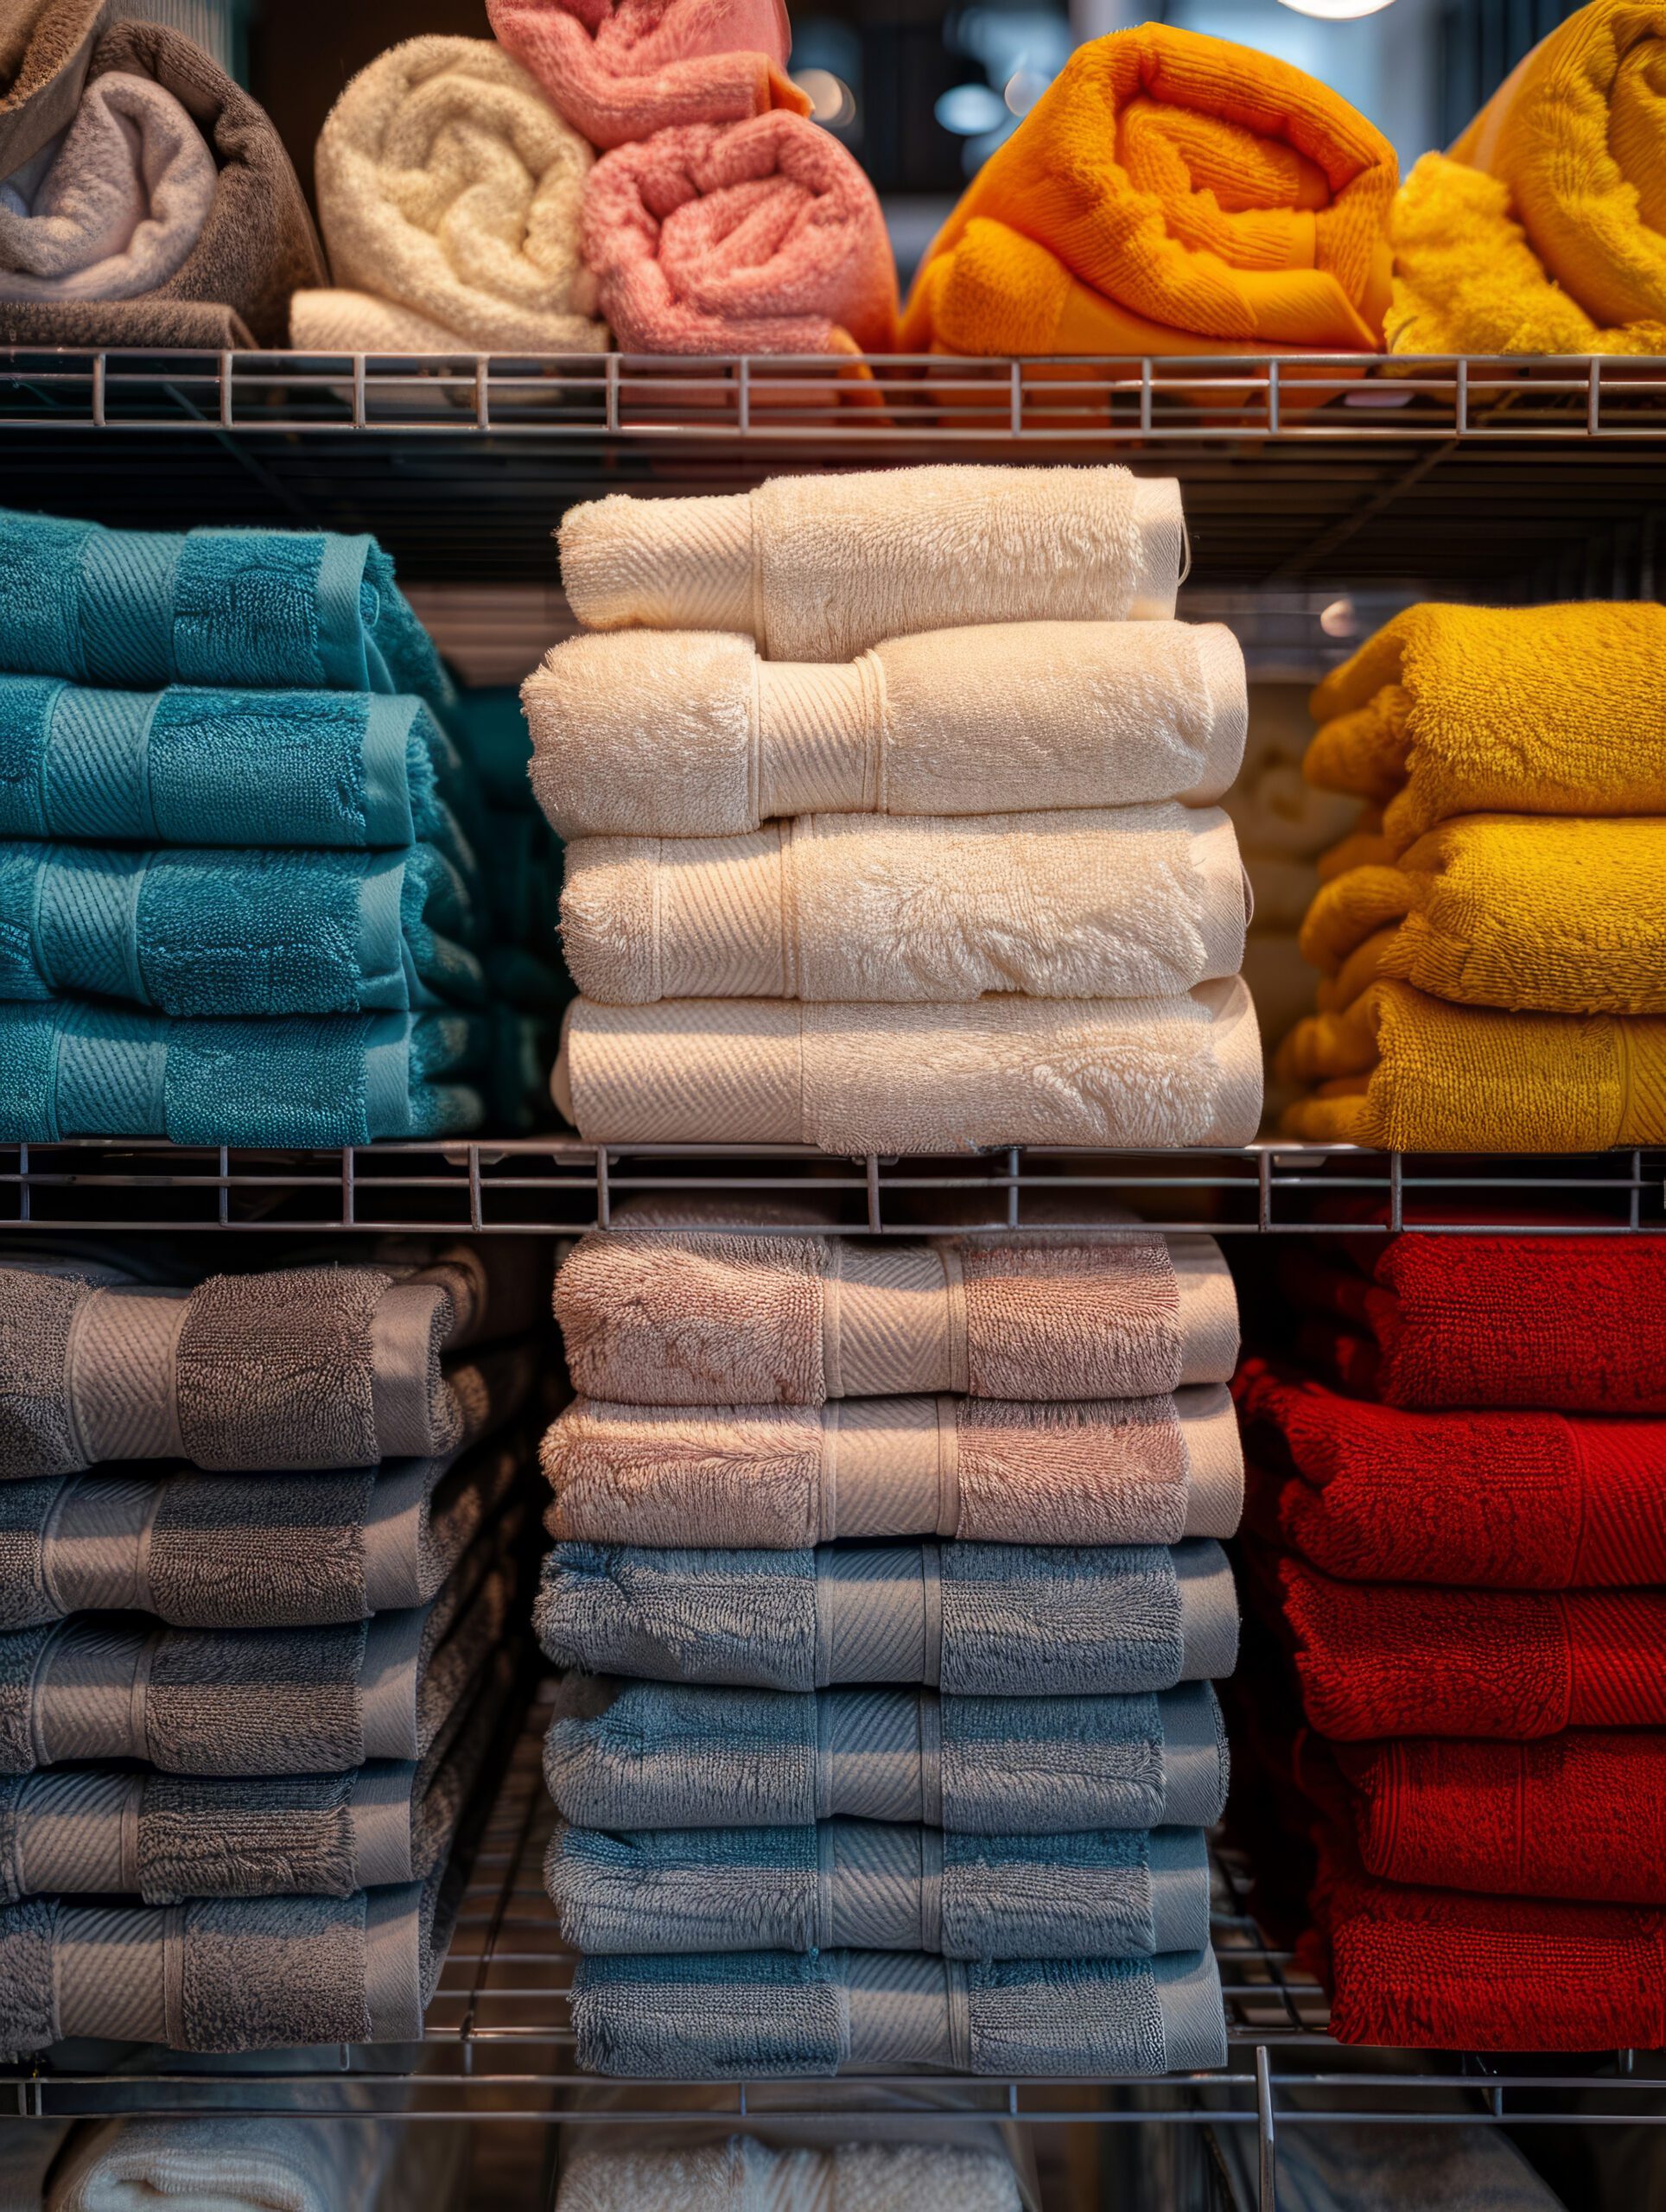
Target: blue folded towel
268, 607
750, 2014
74, 1069
334, 769
222, 933
980, 1620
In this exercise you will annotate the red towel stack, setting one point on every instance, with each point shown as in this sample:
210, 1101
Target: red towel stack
1457, 1517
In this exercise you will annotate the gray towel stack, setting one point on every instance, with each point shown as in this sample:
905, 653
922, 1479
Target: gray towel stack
887, 1737
260, 1537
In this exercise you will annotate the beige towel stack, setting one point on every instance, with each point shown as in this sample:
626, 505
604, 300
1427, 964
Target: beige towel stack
890, 804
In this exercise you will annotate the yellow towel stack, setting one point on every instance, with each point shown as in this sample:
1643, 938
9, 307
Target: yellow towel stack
1493, 937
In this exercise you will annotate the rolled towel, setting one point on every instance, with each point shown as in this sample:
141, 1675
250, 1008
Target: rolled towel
622, 71
935, 2177
449, 193
824, 568
1113, 1893
1127, 902
758, 2013
242, 2164
80, 1069
680, 1317
1004, 1070
656, 1755
980, 1620
1122, 1470
282, 610
759, 237
690, 733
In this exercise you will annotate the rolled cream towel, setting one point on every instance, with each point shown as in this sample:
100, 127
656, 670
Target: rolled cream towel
1123, 1470
823, 567
690, 733
740, 2172
448, 194
683, 1318
852, 1078
1116, 903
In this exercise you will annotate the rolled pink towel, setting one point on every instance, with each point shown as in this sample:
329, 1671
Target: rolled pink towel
761, 237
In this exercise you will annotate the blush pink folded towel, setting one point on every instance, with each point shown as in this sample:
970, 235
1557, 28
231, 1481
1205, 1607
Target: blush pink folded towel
761, 237
619, 70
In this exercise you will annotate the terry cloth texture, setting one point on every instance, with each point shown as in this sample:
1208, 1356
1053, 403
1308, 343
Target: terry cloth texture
759, 2014
1123, 903
44, 48
689, 734
824, 568
623, 69
1121, 1471
1114, 1893
678, 1318
1511, 1500
248, 249
215, 932
449, 192
858, 1078
759, 237
980, 1620
656, 1755
80, 1069
1536, 233
743, 2175
289, 2164
280, 610
1167, 193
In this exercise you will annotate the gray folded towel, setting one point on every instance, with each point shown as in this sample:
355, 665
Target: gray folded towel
742, 2175
752, 2014
660, 1755
982, 1620
1107, 1893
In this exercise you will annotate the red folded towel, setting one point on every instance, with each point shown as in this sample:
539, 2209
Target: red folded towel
1516, 1501
1578, 1816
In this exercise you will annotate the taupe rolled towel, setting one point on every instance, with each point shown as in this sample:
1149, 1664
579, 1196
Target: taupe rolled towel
1121, 1471
686, 1318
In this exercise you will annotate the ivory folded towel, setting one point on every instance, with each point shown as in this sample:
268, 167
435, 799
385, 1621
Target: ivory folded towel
982, 1620
1127, 902
758, 237
742, 2172
1125, 1471
690, 733
1114, 1893
662, 1755
449, 192
824, 568
253, 2164
756, 2013
677, 1317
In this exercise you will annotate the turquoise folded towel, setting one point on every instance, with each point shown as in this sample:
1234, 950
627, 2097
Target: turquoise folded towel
220, 932
492, 737
270, 607
335, 769
74, 1070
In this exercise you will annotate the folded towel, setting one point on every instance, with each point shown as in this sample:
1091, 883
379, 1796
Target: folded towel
449, 193
1117, 903
621, 70
289, 610
689, 734
1112, 1893
758, 2013
674, 1317
980, 1620
169, 205
79, 1068
647, 1755
1456, 711
1121, 1471
824, 568
852, 1078
1535, 234
740, 2173
1519, 1501
759, 237
226, 932
260, 2165
1167, 193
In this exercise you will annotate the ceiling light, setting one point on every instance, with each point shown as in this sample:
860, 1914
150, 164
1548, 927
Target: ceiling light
969, 110
1337, 11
